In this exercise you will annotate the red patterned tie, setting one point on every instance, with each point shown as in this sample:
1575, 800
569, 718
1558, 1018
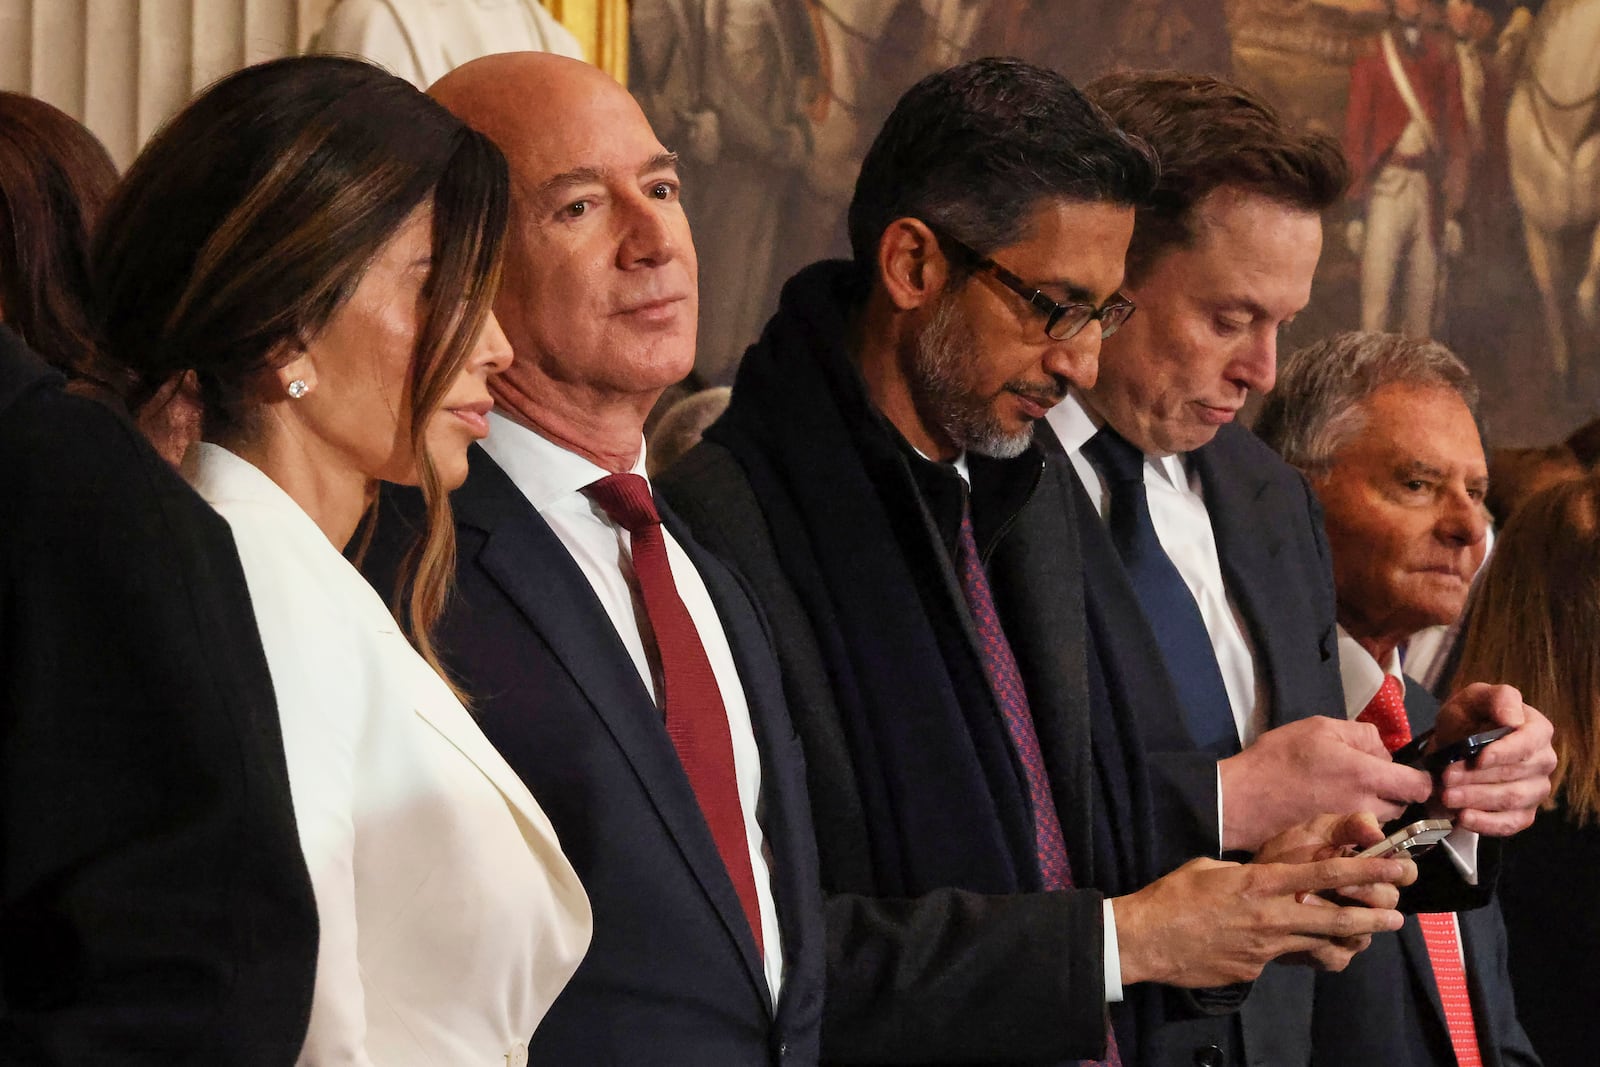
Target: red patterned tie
1055, 871
1387, 711
697, 721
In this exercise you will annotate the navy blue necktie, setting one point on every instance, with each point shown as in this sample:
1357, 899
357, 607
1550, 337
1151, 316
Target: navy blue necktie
1169, 607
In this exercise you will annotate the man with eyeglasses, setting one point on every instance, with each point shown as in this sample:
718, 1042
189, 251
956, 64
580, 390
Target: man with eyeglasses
1222, 544
980, 802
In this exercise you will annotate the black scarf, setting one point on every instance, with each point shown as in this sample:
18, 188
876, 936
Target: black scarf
942, 795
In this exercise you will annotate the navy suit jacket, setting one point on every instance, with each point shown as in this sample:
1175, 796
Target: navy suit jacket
1154, 823
1278, 570
1385, 1007
672, 975
1276, 564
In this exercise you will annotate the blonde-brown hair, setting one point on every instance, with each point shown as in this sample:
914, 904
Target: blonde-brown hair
1533, 624
251, 217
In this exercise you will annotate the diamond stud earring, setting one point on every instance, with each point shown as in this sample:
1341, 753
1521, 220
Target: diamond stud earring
298, 388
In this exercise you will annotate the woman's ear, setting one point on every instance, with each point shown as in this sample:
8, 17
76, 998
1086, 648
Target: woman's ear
911, 264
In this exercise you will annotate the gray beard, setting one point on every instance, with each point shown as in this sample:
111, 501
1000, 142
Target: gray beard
946, 348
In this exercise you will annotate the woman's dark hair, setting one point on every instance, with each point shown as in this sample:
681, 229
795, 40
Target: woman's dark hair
55, 179
1532, 624
974, 150
251, 217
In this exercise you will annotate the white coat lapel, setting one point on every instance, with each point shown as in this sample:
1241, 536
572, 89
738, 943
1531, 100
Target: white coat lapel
440, 710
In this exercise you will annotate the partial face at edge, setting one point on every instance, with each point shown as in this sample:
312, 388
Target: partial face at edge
1206, 332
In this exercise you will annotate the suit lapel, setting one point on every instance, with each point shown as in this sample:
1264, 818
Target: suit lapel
455, 724
1238, 500
532, 567
1415, 951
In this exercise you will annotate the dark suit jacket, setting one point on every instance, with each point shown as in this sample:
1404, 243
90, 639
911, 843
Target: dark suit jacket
953, 976
1275, 562
1274, 558
154, 904
1176, 829
672, 975
1385, 1007
1549, 882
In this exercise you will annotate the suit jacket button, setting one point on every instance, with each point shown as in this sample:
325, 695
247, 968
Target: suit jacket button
1210, 1056
517, 1057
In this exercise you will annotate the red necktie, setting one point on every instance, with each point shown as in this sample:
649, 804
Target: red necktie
1387, 711
696, 720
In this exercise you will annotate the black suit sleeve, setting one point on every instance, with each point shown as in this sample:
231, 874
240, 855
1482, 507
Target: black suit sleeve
952, 977
154, 907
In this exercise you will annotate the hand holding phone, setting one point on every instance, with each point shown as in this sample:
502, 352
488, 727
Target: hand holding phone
1413, 839
1436, 760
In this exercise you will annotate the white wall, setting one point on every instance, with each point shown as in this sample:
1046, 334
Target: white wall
124, 66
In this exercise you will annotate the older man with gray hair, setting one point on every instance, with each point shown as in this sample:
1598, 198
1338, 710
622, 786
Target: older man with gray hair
1385, 428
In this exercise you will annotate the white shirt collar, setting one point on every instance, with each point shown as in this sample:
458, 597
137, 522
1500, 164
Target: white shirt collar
547, 474
1074, 422
959, 463
1362, 675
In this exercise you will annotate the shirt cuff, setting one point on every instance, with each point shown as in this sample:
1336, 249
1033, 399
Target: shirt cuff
1220, 849
1113, 957
1462, 845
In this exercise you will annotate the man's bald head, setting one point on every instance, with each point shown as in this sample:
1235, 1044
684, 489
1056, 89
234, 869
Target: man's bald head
598, 297
513, 98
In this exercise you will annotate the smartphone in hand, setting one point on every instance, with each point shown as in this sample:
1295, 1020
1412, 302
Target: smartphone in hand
1436, 760
1413, 839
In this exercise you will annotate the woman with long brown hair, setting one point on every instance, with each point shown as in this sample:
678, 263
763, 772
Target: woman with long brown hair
1535, 624
316, 245
55, 179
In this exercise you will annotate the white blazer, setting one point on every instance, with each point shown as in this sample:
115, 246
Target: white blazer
450, 919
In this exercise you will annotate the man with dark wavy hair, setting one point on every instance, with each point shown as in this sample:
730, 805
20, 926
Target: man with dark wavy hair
980, 804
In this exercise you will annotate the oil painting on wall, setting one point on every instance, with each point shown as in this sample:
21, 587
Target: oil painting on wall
1473, 130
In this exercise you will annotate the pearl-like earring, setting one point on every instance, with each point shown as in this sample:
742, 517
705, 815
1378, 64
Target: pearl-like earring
298, 388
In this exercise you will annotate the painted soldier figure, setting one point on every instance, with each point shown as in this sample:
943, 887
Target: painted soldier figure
1406, 139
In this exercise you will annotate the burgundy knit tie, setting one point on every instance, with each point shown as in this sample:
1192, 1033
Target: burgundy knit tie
1387, 711
697, 721
1000, 665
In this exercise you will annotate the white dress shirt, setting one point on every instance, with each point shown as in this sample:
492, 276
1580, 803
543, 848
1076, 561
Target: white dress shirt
1362, 677
552, 479
449, 918
1183, 525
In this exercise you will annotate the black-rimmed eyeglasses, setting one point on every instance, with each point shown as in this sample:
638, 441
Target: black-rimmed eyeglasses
1062, 322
